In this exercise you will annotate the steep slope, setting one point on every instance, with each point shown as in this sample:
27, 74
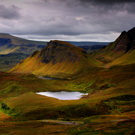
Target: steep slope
121, 47
57, 59
129, 55
128, 58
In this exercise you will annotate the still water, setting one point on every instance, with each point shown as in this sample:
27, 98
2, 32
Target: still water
63, 95
50, 78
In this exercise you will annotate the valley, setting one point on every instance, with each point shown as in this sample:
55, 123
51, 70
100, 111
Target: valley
107, 75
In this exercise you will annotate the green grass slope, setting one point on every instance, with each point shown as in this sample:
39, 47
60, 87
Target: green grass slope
128, 58
114, 50
108, 109
57, 59
111, 92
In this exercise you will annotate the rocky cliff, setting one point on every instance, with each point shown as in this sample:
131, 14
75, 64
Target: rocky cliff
131, 36
57, 51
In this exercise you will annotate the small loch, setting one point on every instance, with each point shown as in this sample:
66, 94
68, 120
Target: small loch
50, 78
63, 95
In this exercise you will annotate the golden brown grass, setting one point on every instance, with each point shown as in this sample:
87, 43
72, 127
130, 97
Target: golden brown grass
104, 87
33, 127
62, 69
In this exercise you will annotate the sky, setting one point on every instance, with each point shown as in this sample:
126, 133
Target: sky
68, 20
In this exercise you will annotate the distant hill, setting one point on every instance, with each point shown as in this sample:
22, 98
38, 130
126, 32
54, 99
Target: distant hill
25, 49
121, 51
92, 48
89, 46
58, 59
12, 44
14, 49
90, 43
9, 39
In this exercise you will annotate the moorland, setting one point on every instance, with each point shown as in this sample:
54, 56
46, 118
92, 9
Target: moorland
106, 74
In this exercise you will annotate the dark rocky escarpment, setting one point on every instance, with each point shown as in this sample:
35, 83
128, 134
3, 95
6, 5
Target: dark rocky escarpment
126, 41
131, 36
58, 51
122, 42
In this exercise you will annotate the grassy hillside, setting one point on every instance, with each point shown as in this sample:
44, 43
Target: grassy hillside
109, 106
128, 58
119, 52
108, 109
58, 59
114, 50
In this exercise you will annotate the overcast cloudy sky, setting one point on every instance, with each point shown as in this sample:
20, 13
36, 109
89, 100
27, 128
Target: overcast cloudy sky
76, 20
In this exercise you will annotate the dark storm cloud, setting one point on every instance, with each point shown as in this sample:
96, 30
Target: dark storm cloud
71, 19
118, 5
99, 6
92, 1
106, 1
75, 18
11, 12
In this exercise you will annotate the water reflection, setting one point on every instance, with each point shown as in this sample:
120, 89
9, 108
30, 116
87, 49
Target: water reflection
63, 95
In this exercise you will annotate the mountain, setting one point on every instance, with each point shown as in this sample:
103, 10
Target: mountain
9, 39
58, 59
12, 44
120, 51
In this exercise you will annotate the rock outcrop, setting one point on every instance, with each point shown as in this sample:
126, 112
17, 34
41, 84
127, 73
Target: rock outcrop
58, 59
57, 51
126, 41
